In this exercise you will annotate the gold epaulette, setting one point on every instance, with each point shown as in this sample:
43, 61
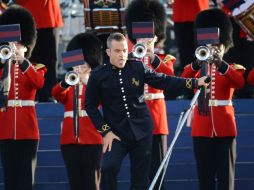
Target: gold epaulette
238, 67
186, 66
168, 58
38, 66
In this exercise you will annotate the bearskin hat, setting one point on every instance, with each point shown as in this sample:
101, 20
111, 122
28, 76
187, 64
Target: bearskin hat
216, 18
17, 14
146, 11
91, 47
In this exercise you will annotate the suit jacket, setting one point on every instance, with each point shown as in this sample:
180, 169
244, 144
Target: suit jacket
220, 121
87, 132
21, 122
121, 94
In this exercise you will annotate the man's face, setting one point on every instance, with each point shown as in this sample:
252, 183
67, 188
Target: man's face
219, 49
118, 53
82, 69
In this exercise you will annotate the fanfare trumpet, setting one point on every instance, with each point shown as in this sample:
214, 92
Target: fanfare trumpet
207, 53
203, 53
139, 51
5, 52
72, 78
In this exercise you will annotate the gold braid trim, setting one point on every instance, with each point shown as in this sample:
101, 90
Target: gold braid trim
188, 83
104, 128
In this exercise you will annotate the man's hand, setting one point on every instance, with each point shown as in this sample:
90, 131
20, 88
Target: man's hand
204, 81
217, 60
108, 140
150, 54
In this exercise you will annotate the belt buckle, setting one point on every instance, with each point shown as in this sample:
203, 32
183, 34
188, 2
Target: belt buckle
17, 103
213, 103
80, 113
148, 96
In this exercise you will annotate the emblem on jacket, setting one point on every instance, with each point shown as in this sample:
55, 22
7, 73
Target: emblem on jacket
135, 82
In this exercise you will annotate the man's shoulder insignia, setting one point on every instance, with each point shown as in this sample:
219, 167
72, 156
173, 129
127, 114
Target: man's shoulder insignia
39, 66
238, 67
169, 58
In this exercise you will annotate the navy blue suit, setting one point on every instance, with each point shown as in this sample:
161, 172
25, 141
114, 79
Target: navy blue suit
125, 113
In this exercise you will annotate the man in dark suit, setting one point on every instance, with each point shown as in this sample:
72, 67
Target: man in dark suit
126, 124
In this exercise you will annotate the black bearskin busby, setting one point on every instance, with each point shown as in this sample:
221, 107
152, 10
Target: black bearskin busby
216, 18
146, 11
91, 47
17, 14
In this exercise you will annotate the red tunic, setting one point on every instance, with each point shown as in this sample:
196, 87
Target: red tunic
21, 122
87, 132
250, 78
186, 10
157, 107
220, 121
47, 13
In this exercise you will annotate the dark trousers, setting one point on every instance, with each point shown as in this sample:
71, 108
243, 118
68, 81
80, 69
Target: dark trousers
215, 158
185, 42
140, 157
159, 149
45, 52
19, 162
83, 165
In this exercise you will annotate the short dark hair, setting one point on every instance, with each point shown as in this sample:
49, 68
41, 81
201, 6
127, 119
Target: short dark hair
115, 36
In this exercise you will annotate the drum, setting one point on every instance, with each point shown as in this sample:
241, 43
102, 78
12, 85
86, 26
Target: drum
244, 16
104, 16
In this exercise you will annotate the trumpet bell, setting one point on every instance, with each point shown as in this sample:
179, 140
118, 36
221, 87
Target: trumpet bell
5, 52
72, 78
203, 53
139, 51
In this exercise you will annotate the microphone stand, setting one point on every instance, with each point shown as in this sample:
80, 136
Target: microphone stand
180, 125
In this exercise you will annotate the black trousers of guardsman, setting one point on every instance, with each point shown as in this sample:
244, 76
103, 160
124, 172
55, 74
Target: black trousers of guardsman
19, 162
140, 157
82, 163
158, 152
215, 158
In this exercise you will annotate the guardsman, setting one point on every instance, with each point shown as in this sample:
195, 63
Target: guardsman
19, 135
213, 127
184, 14
48, 19
126, 123
147, 11
81, 152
